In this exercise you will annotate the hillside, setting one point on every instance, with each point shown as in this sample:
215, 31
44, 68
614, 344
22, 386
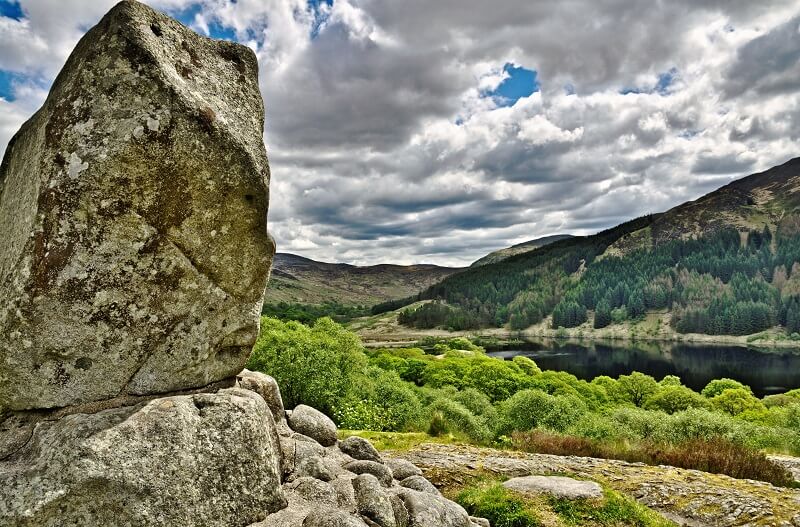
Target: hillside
766, 199
502, 254
296, 279
722, 264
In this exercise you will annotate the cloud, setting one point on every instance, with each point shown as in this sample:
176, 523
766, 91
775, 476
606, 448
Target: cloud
425, 131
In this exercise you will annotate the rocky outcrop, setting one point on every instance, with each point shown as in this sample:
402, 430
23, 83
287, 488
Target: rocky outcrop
325, 486
203, 459
688, 497
134, 250
200, 460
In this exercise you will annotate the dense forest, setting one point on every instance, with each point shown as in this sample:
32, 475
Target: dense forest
727, 282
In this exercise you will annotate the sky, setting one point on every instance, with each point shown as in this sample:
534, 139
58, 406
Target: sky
434, 132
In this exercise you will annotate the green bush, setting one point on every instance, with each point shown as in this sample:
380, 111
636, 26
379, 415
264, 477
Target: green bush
596, 427
527, 365
314, 365
671, 399
736, 401
636, 388
448, 416
381, 401
717, 386
495, 378
524, 410
476, 402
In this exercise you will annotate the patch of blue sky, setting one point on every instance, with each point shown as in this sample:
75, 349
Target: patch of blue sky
11, 9
8, 82
520, 82
188, 15
661, 87
321, 14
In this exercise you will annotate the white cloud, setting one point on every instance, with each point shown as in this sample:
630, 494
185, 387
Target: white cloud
383, 147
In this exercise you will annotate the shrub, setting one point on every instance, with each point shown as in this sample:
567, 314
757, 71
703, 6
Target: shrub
527, 365
640, 424
379, 401
448, 416
564, 412
493, 377
525, 410
636, 388
720, 456
476, 402
736, 401
670, 380
595, 426
717, 386
313, 365
673, 399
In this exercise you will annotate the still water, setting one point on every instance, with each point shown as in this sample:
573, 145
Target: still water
765, 372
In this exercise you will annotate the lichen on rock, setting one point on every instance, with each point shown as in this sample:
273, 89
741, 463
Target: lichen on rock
134, 251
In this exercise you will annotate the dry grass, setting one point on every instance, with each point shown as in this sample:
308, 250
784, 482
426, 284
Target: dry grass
717, 455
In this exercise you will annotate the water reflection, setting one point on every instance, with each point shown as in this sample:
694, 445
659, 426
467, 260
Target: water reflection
764, 372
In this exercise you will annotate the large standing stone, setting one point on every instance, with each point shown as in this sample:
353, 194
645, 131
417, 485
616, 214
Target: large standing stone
133, 242
191, 460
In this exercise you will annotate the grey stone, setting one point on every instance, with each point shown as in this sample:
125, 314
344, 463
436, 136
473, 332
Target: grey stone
193, 460
379, 470
314, 424
359, 448
266, 387
428, 510
419, 483
559, 486
314, 490
480, 522
401, 517
295, 448
331, 518
314, 467
372, 500
402, 469
134, 253
345, 494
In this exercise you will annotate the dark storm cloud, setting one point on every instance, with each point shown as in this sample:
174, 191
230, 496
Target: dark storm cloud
768, 64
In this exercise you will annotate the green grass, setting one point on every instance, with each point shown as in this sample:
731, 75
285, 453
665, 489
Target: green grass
615, 509
398, 440
505, 508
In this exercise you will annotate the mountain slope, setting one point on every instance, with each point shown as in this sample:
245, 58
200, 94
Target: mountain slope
770, 198
502, 254
726, 263
296, 279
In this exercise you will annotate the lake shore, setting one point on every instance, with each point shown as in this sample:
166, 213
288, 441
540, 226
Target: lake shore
385, 331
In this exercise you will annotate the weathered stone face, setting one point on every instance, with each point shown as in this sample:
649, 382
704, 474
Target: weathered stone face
191, 460
133, 242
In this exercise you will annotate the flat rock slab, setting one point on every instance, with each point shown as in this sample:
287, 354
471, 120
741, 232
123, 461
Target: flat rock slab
558, 486
134, 251
692, 496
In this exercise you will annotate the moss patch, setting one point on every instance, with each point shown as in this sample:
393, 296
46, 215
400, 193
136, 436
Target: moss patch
487, 498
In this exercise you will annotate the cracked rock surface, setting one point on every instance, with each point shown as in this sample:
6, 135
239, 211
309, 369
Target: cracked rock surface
688, 497
134, 251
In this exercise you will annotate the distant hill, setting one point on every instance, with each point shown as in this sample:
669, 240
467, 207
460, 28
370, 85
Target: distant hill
726, 263
502, 254
296, 279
